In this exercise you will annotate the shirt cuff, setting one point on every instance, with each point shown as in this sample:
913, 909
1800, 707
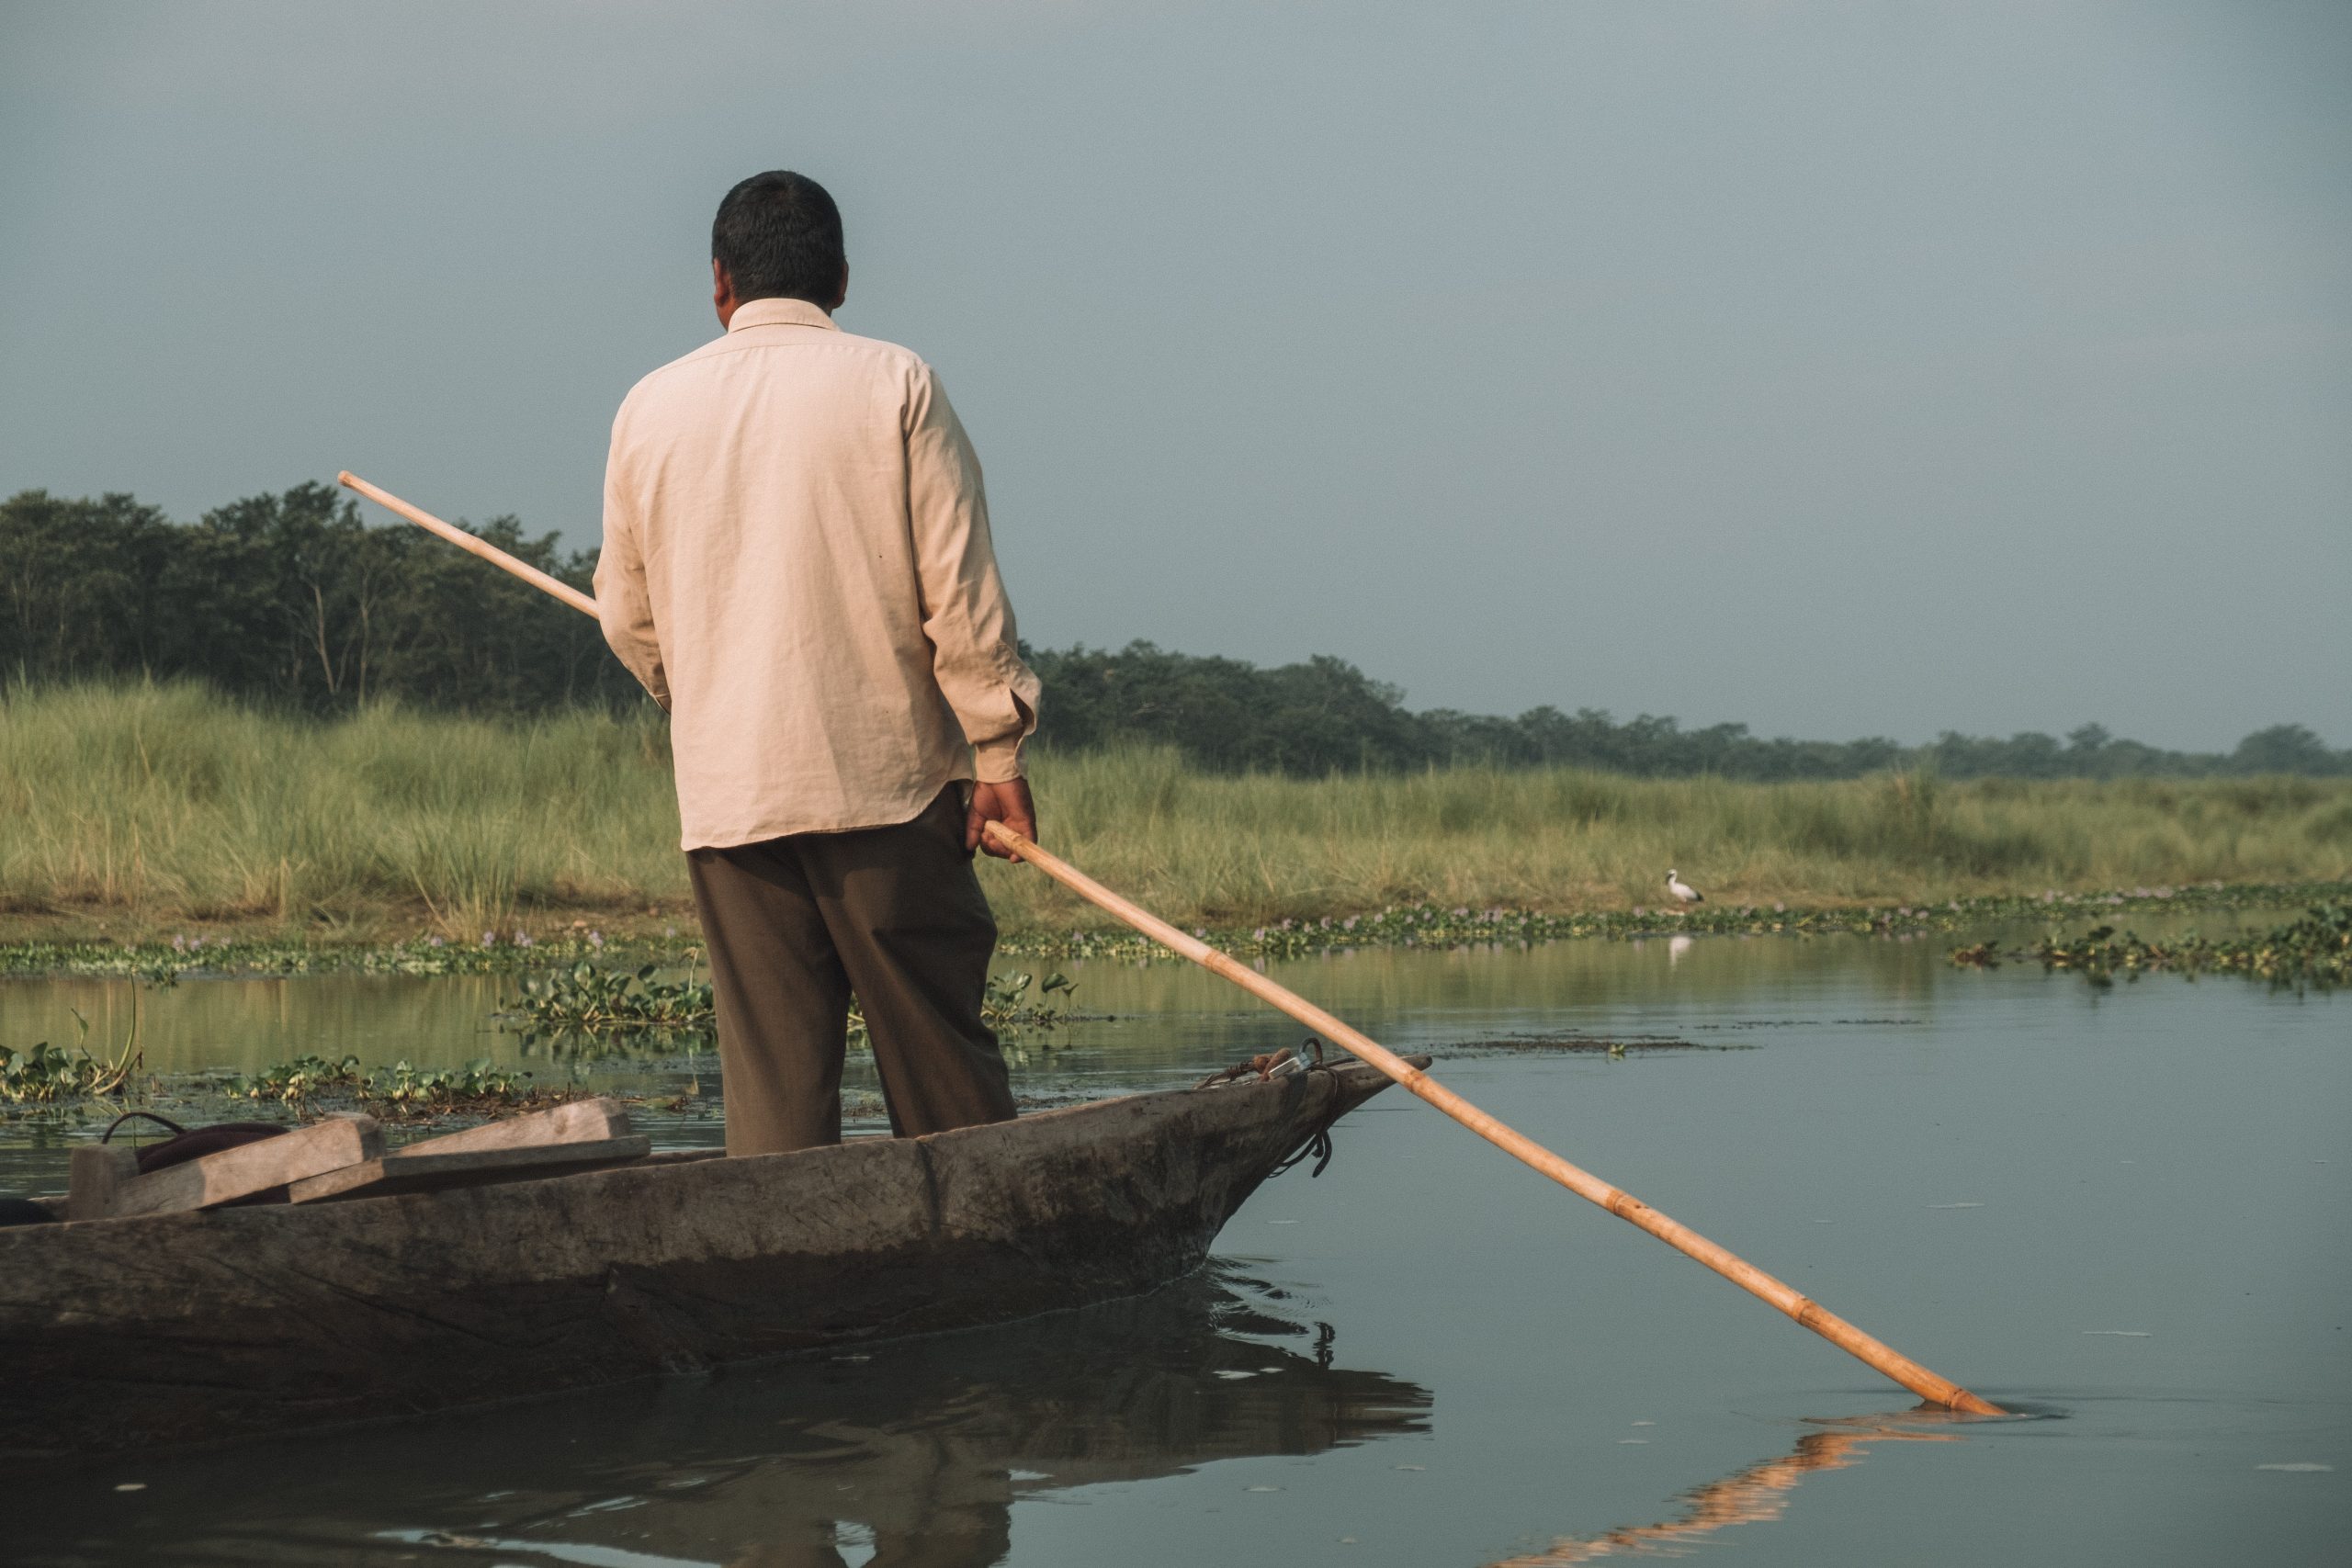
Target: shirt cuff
998, 761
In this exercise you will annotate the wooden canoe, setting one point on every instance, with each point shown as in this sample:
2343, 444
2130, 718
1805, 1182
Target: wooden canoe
201, 1327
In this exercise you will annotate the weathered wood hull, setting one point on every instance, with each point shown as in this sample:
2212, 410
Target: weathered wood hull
119, 1334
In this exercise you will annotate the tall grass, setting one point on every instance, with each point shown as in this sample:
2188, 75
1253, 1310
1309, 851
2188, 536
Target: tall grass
163, 800
170, 802
1245, 850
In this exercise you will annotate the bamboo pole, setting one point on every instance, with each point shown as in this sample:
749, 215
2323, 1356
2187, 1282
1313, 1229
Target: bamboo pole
1876, 1353
1884, 1358
470, 542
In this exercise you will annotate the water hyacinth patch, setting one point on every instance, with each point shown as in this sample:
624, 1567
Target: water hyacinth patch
2315, 951
588, 999
1414, 925
426, 953
444, 1090
312, 1085
297, 1082
1428, 925
46, 1075
1007, 1007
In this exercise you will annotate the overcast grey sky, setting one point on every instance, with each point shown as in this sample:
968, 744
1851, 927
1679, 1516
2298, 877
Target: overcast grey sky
1839, 369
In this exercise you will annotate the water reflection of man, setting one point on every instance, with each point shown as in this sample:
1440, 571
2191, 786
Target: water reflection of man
922, 1453
797, 566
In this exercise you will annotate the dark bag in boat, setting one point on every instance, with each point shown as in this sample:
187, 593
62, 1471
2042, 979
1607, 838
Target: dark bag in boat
202, 1141
178, 1149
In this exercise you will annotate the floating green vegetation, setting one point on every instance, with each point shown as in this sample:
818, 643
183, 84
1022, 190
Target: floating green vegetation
313, 1083
49, 1075
1006, 1007
589, 999
594, 1000
441, 1089
165, 963
2315, 951
297, 1082
1423, 924
1429, 925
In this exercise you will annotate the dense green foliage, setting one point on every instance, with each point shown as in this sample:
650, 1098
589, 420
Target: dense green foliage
296, 601
1326, 716
293, 600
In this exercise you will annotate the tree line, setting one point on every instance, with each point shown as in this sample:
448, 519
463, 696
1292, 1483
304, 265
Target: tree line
1327, 714
291, 600
295, 601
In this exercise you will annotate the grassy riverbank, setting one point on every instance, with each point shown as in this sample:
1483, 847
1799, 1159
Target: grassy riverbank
142, 811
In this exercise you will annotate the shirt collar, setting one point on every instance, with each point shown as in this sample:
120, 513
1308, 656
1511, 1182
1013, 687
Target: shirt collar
777, 312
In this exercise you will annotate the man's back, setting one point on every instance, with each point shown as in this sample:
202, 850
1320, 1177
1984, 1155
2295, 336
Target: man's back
796, 565
797, 561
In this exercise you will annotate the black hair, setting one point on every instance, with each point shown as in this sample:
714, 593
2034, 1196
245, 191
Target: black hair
779, 236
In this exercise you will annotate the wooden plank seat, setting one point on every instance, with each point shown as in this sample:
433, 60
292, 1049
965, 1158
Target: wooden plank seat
583, 1134
107, 1184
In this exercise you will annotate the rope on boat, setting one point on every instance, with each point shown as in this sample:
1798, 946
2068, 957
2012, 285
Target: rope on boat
1287, 1062
108, 1136
1318, 1144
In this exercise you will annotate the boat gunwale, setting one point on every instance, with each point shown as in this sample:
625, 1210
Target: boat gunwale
1348, 1072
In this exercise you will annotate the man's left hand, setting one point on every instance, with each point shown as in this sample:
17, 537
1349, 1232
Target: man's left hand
1007, 803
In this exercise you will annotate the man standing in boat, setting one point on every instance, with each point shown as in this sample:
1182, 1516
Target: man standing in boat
797, 564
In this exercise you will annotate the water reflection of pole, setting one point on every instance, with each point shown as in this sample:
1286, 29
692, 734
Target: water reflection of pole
1758, 1494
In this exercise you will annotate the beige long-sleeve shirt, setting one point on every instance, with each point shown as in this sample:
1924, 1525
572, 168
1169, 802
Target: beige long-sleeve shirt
796, 565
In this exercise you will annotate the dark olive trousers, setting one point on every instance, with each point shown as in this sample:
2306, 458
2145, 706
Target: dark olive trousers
795, 926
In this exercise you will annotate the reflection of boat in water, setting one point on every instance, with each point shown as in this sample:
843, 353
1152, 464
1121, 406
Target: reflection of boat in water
1755, 1495
917, 1451
126, 1333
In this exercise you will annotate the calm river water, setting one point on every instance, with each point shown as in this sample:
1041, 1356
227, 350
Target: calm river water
2123, 1213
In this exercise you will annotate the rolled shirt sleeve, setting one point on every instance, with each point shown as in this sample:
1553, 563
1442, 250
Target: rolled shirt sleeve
976, 650
623, 602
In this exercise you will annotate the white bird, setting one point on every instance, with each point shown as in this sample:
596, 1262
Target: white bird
1682, 890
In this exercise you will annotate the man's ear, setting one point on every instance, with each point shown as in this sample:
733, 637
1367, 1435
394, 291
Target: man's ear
840, 292
722, 292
